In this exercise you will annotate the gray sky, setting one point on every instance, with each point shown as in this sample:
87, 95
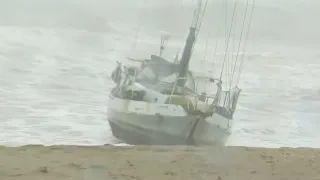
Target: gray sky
287, 20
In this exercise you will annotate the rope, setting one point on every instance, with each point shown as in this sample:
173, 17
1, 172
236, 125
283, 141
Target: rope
215, 52
206, 48
203, 12
233, 59
225, 56
243, 23
226, 21
216, 46
197, 24
226, 39
247, 37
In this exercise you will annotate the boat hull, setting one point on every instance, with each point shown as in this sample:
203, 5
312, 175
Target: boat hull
142, 123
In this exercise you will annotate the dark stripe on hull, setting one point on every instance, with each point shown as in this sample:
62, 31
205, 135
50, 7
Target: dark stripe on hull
140, 136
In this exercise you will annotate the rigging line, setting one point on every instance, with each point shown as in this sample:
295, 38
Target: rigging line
232, 60
215, 51
217, 40
202, 15
227, 70
229, 60
247, 37
198, 8
226, 34
226, 20
241, 35
234, 41
193, 19
196, 14
225, 55
206, 48
199, 26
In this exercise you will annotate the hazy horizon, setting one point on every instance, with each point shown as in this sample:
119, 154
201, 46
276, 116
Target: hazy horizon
286, 21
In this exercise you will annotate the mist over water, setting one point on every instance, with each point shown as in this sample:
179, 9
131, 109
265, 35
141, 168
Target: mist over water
291, 21
56, 58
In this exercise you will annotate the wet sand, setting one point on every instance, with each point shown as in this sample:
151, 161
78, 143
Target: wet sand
157, 163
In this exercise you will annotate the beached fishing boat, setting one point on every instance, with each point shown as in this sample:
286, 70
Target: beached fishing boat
164, 103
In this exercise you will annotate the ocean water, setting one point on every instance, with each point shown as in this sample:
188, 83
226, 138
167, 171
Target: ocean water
54, 79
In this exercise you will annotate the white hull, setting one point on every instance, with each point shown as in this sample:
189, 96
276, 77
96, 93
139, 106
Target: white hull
138, 122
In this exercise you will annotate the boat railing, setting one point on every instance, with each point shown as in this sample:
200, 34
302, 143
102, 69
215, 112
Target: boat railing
199, 97
228, 102
205, 91
228, 96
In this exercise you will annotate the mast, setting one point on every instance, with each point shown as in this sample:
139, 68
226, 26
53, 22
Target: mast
186, 56
187, 51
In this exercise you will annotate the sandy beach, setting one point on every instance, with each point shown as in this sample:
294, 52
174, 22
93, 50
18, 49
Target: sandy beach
157, 163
